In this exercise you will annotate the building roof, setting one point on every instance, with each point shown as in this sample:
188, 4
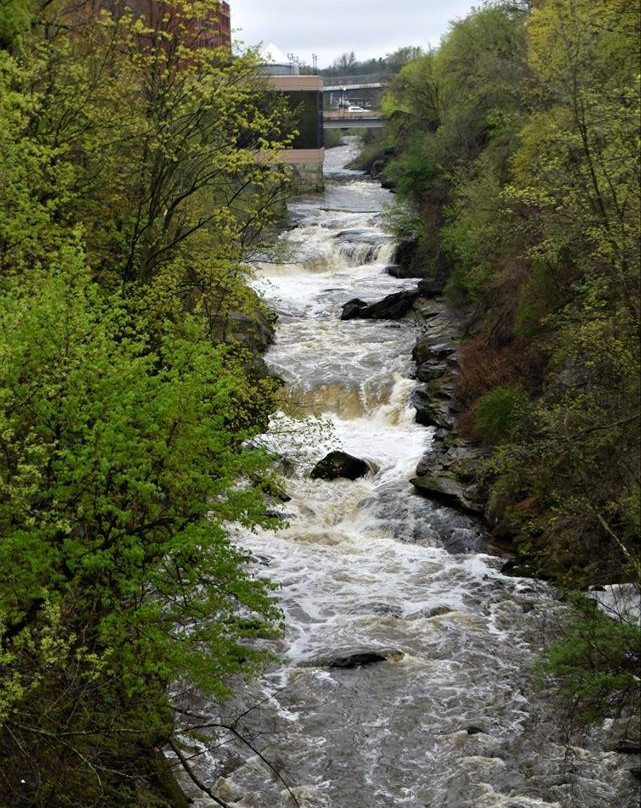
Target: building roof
274, 55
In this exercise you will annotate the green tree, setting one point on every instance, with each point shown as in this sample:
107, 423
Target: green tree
165, 149
575, 187
119, 468
136, 173
595, 662
453, 117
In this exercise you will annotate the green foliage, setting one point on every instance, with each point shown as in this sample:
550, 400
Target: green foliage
136, 173
412, 99
474, 234
332, 138
453, 119
348, 65
516, 150
415, 170
596, 663
538, 296
195, 131
497, 413
15, 18
582, 292
119, 467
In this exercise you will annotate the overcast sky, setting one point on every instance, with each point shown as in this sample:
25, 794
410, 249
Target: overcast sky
328, 28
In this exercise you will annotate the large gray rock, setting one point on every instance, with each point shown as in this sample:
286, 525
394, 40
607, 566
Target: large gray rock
357, 660
353, 309
429, 412
255, 331
392, 307
430, 287
422, 350
340, 464
427, 371
446, 491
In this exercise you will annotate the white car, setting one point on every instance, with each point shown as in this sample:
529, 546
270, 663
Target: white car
354, 108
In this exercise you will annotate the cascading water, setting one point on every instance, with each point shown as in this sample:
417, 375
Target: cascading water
449, 718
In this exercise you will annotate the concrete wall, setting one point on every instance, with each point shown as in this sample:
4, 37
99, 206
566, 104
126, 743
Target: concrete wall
307, 162
307, 165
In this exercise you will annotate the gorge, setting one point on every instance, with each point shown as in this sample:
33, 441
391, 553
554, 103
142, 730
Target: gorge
406, 677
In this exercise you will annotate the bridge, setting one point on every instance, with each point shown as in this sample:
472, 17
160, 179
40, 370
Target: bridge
366, 91
346, 86
341, 119
365, 80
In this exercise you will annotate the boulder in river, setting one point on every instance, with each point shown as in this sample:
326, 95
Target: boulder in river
391, 307
347, 659
357, 660
340, 464
445, 490
353, 309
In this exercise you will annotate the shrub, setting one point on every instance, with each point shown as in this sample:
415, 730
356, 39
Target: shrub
332, 138
597, 662
498, 412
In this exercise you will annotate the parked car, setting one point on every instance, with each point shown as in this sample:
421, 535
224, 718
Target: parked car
354, 108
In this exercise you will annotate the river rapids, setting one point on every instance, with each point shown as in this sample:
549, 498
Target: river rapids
451, 718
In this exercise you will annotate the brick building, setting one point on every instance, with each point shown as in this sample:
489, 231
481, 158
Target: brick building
212, 31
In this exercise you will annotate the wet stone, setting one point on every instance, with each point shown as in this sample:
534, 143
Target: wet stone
445, 490
339, 464
259, 558
430, 287
432, 347
426, 310
429, 412
357, 660
427, 371
391, 307
353, 308
443, 350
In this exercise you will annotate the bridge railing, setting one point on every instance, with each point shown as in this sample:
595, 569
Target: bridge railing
369, 78
340, 114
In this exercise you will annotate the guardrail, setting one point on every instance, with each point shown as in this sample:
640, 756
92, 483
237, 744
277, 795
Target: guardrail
368, 78
340, 114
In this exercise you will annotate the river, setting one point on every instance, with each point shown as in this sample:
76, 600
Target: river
451, 718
